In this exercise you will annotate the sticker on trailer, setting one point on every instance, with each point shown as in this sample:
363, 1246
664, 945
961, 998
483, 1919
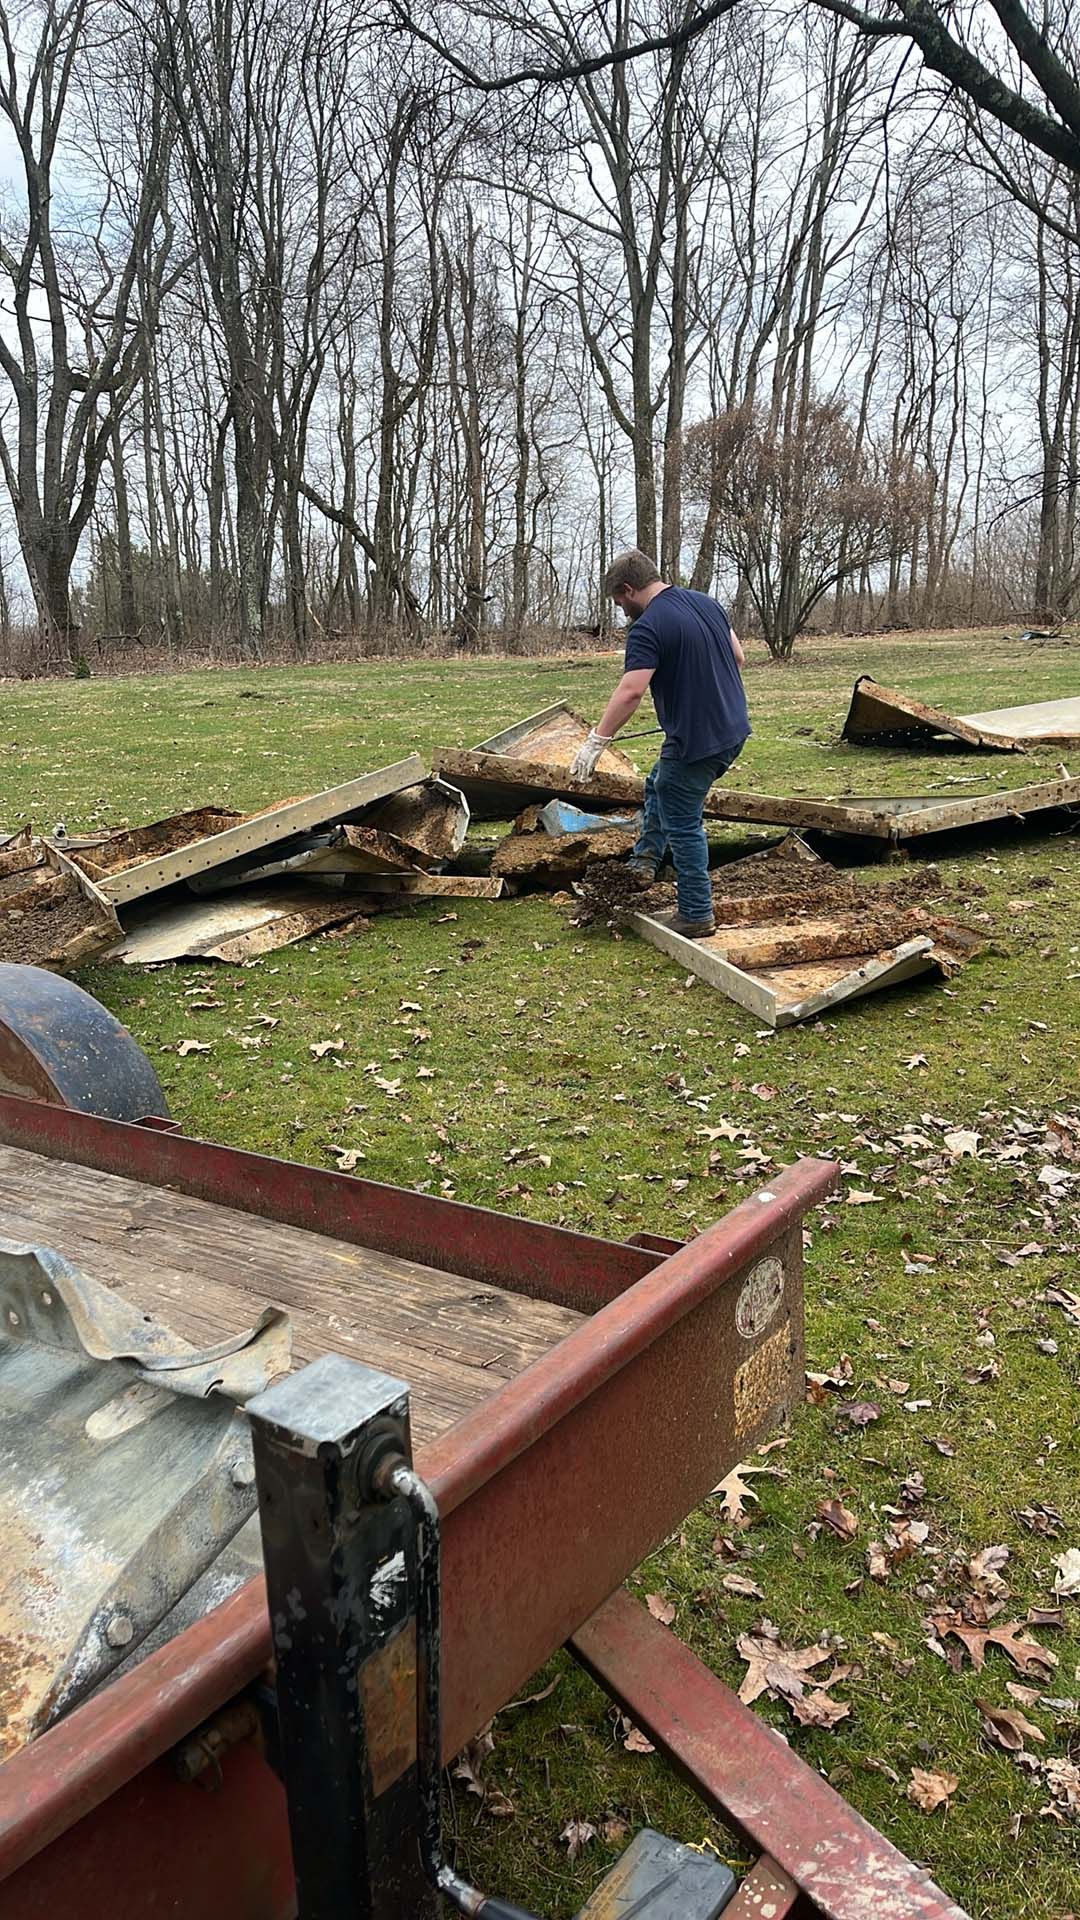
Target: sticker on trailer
763, 1382
759, 1297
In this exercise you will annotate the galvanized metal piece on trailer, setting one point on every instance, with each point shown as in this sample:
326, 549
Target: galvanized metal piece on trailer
882, 716
124, 1470
58, 1044
262, 830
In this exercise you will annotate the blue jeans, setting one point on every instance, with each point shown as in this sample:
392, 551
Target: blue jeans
675, 793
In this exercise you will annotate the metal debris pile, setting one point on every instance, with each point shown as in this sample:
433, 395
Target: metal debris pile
793, 932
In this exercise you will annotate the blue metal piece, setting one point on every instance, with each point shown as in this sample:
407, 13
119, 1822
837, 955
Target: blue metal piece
560, 816
662, 1879
58, 1044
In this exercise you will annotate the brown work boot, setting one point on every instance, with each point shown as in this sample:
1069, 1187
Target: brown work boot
692, 929
644, 873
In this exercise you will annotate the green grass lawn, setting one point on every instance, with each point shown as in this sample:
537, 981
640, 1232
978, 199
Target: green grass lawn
608, 1059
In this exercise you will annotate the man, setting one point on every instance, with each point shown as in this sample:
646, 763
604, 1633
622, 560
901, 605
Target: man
680, 644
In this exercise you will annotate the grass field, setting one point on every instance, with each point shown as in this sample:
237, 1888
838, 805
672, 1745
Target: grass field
602, 1055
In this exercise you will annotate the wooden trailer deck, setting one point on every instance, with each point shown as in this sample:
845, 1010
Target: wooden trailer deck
206, 1271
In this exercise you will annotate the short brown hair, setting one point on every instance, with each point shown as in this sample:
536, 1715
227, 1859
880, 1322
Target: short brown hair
632, 568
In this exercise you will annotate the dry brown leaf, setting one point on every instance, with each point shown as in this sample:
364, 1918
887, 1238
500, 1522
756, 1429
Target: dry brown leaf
931, 1790
740, 1583
819, 1709
1027, 1696
1007, 1727
577, 1834
348, 1158
984, 1571
661, 1609
532, 1699
194, 1046
858, 1197
961, 1142
877, 1561
776, 1669
839, 1519
1046, 1617
636, 1742
1067, 1577
1041, 1518
734, 1492
322, 1047
1026, 1655
1063, 1779
861, 1413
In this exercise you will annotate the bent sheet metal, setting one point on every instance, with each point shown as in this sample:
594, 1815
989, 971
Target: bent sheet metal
125, 1467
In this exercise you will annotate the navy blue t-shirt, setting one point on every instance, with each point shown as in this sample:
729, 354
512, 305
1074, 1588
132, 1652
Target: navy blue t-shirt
685, 637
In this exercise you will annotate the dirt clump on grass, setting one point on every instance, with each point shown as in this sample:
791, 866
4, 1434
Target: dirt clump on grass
48, 922
785, 885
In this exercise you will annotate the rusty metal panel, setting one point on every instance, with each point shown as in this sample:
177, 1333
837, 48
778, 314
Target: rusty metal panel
551, 1494
750, 1776
160, 1846
766, 1893
261, 830
882, 716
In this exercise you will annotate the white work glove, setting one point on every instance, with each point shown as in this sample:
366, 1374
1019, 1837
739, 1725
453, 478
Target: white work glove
583, 765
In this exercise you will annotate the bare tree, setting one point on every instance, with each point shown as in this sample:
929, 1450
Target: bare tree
72, 272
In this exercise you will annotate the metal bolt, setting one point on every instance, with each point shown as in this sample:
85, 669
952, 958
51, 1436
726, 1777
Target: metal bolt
13, 1316
46, 1299
119, 1630
242, 1473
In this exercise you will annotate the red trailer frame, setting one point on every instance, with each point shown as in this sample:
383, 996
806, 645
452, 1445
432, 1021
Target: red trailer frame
662, 1381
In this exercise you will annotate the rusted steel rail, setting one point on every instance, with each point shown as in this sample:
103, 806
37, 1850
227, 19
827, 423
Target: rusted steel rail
844, 1868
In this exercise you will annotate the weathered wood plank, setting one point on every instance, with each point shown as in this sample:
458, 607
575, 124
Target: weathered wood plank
205, 1270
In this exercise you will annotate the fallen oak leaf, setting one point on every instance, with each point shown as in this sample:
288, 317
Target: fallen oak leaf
194, 1046
734, 1492
984, 1571
1063, 1779
348, 1158
322, 1047
961, 1143
577, 1834
877, 1561
929, 1791
1027, 1696
1067, 1577
839, 1519
661, 1609
636, 1742
1007, 1727
859, 1197
1046, 1617
861, 1413
741, 1584
774, 1669
819, 1709
1026, 1655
